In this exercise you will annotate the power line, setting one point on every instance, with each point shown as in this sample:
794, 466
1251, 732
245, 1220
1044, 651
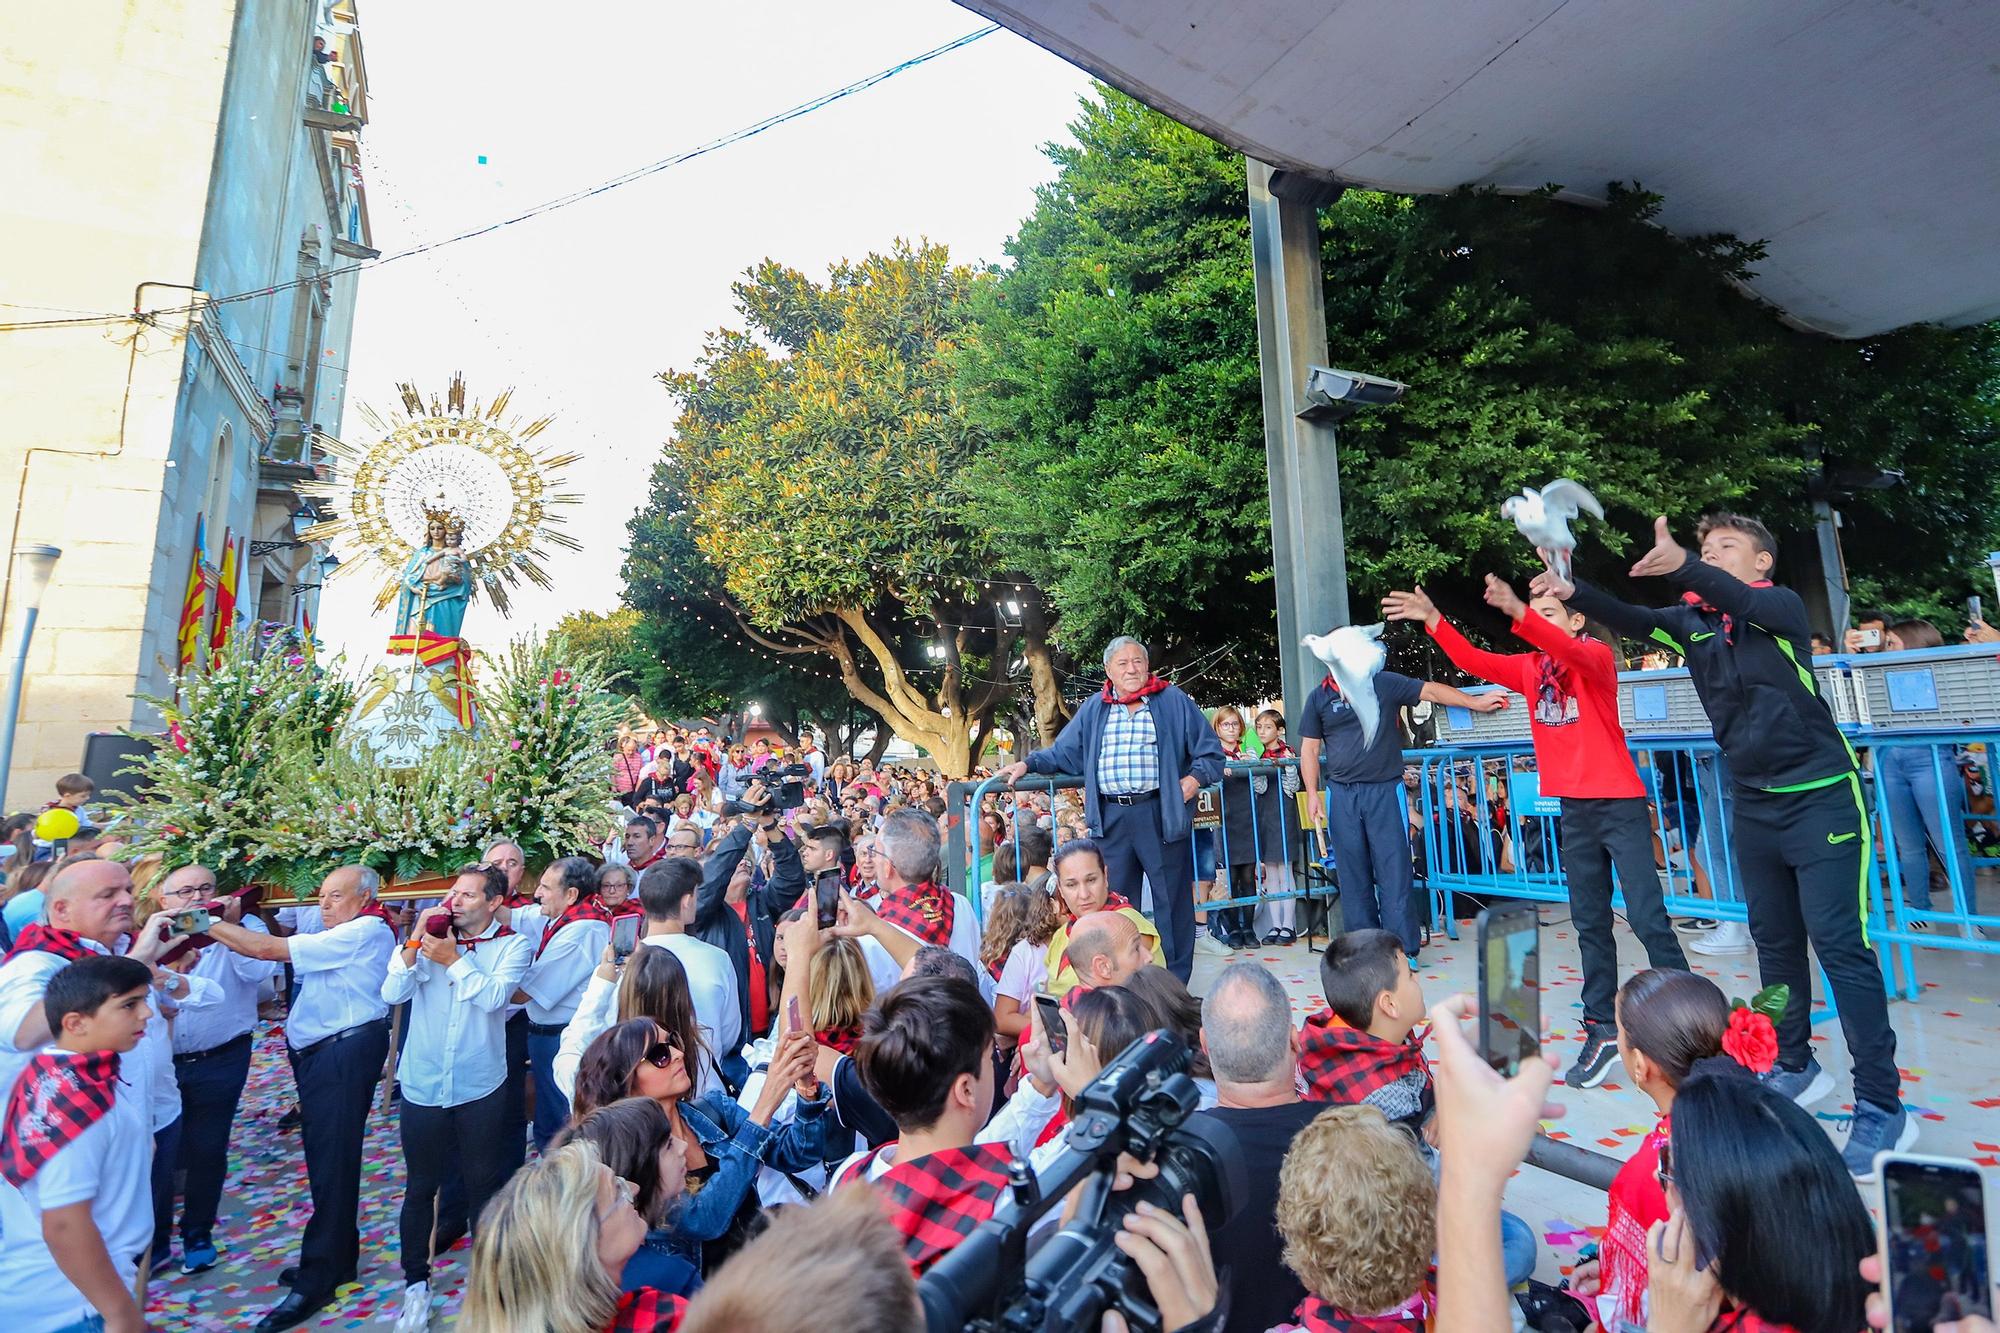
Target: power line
751, 131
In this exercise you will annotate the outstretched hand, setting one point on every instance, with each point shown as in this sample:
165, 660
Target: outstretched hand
1500, 595
1548, 583
1666, 556
1415, 605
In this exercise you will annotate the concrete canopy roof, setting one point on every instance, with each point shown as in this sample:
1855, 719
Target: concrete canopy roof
1859, 139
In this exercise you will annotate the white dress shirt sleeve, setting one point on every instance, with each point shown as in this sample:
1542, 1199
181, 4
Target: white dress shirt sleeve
565, 964
489, 991
401, 981
593, 1015
345, 945
1021, 1121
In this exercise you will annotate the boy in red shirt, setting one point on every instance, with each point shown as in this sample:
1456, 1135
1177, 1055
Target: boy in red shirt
1571, 685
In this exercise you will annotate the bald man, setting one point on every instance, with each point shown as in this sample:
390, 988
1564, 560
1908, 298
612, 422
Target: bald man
211, 1045
1105, 948
338, 1033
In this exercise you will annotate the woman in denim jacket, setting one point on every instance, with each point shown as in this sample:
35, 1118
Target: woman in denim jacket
725, 1146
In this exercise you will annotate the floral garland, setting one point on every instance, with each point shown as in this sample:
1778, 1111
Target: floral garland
283, 798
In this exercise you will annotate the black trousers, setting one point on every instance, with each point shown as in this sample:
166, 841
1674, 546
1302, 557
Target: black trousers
336, 1082
1133, 846
468, 1142
1599, 833
516, 1127
1805, 858
211, 1089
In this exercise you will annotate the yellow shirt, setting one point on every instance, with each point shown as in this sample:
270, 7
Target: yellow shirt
1062, 976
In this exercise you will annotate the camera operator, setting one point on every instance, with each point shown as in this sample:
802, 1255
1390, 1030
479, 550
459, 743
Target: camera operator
740, 922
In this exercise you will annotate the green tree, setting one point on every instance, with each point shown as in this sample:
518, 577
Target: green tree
816, 476
1114, 367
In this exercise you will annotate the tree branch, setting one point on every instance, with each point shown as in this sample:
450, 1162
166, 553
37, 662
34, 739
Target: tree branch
894, 682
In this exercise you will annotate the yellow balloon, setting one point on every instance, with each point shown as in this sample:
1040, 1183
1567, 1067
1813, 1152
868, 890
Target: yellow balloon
56, 825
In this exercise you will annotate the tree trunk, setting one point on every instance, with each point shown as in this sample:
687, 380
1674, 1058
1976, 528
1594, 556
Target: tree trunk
880, 745
1051, 713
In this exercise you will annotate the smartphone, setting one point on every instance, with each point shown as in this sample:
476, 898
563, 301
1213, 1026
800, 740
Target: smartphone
826, 897
1054, 1025
1974, 611
793, 1022
1937, 1255
1868, 638
193, 921
1510, 996
624, 937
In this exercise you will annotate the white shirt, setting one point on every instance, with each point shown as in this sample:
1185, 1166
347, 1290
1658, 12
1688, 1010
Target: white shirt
886, 971
111, 1164
455, 1048
712, 981
1017, 1124
596, 1011
1025, 972
153, 1057
555, 980
233, 1011
305, 920
24, 980
340, 971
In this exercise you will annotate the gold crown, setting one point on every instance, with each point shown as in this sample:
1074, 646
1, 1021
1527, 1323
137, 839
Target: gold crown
439, 510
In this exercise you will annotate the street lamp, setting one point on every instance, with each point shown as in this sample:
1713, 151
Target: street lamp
34, 565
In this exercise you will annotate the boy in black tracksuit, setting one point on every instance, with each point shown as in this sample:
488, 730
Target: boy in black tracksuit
1802, 838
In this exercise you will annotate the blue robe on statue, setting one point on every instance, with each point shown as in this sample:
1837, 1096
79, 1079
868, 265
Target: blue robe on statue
443, 605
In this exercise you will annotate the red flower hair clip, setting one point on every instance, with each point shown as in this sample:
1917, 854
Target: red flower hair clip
1752, 1037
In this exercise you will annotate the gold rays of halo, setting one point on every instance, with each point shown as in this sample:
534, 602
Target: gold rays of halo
367, 479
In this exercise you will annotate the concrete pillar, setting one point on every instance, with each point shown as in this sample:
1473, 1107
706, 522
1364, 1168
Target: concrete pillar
1308, 543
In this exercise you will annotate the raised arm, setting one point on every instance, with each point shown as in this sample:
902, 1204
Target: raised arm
1777, 610
1066, 755
1582, 653
711, 900
787, 880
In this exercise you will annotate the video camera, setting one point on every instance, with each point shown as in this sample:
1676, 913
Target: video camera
1140, 1105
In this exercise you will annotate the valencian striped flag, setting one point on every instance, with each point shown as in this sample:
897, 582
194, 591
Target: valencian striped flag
225, 597
194, 606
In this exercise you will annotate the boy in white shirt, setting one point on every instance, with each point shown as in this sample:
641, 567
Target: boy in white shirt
76, 1159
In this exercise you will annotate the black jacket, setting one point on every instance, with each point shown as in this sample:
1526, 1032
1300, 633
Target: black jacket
715, 920
1749, 651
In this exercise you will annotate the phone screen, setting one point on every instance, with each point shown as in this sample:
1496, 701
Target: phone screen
624, 936
1510, 998
793, 1021
1053, 1024
826, 898
1939, 1267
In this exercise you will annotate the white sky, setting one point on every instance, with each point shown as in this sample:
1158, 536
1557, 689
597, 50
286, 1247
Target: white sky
580, 309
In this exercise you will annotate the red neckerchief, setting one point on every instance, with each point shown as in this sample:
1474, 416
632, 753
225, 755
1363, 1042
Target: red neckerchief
57, 1097
1054, 1129
379, 912
1278, 751
943, 1197
1343, 1065
1233, 751
1152, 687
842, 1039
648, 1310
1693, 599
471, 942
586, 908
1317, 1316
1636, 1202
996, 967
38, 938
630, 907
1328, 683
652, 860
923, 910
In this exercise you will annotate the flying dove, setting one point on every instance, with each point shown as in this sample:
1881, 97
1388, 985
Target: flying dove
1544, 517
1353, 654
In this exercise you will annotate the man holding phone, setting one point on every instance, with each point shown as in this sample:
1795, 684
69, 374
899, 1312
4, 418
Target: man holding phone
457, 969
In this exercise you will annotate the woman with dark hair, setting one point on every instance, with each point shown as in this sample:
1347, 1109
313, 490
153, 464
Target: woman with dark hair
1766, 1228
725, 1145
652, 984
634, 1137
1172, 1007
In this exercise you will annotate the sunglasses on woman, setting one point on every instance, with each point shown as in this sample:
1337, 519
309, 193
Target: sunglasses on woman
659, 1055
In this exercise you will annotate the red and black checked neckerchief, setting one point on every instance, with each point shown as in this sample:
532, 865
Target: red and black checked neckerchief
1693, 599
943, 1197
1152, 687
841, 1039
38, 938
58, 1096
1280, 750
1317, 1316
516, 901
648, 1310
923, 910
630, 907
1343, 1065
586, 908
996, 967
471, 942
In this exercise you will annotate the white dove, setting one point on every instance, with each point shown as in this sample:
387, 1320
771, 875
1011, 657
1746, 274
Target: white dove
1544, 516
1353, 654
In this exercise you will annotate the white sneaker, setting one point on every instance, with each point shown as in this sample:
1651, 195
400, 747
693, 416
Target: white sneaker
416, 1316
1208, 944
1727, 938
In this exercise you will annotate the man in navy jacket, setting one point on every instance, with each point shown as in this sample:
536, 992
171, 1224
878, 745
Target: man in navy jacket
1144, 749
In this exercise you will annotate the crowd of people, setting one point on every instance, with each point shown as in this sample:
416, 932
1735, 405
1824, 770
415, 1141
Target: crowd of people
753, 1063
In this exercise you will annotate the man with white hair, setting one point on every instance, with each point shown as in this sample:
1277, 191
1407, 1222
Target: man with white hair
912, 909
338, 1034
1144, 749
1253, 1050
